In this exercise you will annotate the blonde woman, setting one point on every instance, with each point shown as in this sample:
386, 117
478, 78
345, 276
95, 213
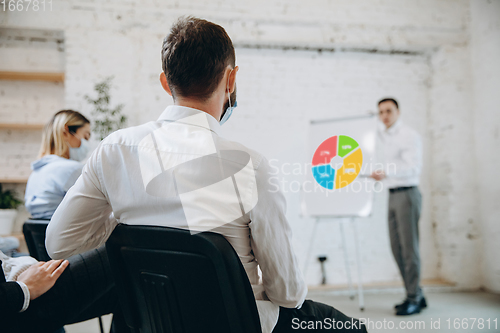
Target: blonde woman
64, 145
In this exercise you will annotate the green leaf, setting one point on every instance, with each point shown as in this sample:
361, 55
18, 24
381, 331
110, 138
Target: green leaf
106, 119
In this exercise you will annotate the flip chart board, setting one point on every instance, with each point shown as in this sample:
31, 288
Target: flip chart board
341, 153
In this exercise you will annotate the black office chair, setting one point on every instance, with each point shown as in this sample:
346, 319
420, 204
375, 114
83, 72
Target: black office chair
170, 281
34, 234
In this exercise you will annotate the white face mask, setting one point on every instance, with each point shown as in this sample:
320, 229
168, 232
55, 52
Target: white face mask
79, 153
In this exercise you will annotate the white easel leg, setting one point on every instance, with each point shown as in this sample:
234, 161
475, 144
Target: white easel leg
306, 265
346, 260
358, 261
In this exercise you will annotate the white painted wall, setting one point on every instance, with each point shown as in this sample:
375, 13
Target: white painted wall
485, 49
326, 85
279, 91
453, 176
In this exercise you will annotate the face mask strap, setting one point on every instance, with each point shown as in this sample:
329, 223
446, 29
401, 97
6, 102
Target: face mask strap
228, 89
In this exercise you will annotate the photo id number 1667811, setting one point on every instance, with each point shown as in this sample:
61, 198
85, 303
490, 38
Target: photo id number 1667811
26, 5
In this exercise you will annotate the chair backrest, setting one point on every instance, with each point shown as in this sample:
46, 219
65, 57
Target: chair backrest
2, 274
171, 281
34, 234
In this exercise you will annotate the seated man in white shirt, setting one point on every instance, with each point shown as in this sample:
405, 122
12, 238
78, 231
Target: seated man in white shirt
179, 172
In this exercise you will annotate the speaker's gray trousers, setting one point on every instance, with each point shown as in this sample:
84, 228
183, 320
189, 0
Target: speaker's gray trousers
404, 213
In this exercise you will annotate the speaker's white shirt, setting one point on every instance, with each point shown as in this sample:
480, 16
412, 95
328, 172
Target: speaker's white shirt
402, 154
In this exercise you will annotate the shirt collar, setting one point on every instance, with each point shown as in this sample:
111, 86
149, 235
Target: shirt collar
395, 127
190, 116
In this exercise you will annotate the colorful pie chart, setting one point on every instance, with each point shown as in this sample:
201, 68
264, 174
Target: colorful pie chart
337, 162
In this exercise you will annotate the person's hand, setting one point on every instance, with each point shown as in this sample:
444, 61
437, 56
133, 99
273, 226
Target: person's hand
40, 277
378, 175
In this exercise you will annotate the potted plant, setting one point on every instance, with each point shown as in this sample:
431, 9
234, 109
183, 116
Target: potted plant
106, 119
8, 211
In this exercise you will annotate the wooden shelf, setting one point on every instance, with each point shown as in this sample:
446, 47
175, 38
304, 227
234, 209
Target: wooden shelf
32, 76
14, 180
21, 126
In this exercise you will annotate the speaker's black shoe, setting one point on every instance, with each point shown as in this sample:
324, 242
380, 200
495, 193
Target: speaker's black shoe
423, 304
400, 305
409, 309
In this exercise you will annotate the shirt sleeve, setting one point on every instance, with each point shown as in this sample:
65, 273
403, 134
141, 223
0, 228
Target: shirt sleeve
27, 296
14, 298
271, 242
410, 162
84, 219
72, 177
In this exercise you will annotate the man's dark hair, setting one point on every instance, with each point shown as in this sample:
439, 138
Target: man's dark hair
389, 100
194, 56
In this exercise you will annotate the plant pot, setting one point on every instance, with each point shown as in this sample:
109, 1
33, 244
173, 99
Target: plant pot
7, 218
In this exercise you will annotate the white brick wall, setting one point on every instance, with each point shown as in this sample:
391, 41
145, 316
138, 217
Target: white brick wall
27, 102
485, 47
31, 50
279, 91
454, 194
296, 86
